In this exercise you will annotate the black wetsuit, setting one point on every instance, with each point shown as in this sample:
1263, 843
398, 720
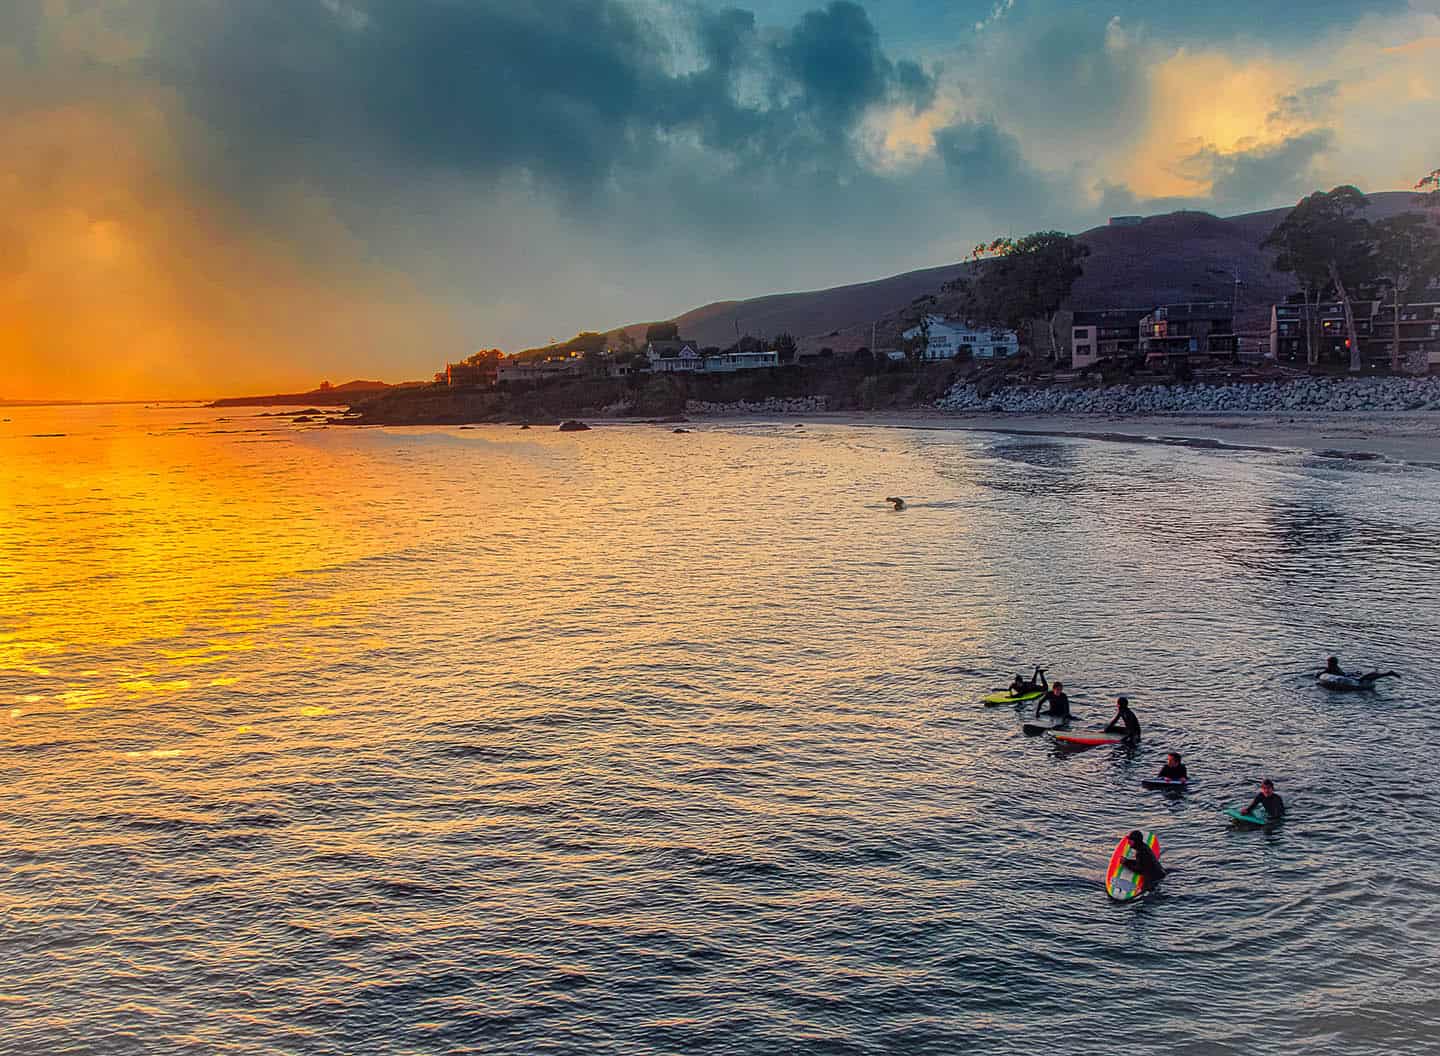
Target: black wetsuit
1021, 686
1132, 724
1273, 804
1367, 678
1146, 864
1058, 706
1175, 773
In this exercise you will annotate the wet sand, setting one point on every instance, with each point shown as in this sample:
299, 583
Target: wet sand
1394, 435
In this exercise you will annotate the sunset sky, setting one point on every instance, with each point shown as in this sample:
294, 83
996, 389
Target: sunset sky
210, 197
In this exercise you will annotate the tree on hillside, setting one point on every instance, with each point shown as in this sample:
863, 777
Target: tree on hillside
915, 347
1407, 256
785, 345
1429, 188
1027, 278
662, 332
485, 355
1327, 245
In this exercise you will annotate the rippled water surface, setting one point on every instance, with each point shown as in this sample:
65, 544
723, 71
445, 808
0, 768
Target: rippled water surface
330, 740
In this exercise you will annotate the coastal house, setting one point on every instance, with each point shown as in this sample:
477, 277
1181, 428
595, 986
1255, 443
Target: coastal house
728, 362
1106, 334
1189, 332
681, 357
1295, 324
947, 339
470, 375
674, 357
515, 371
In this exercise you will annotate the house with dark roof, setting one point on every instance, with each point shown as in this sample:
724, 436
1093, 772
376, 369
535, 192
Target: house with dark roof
1109, 333
1187, 332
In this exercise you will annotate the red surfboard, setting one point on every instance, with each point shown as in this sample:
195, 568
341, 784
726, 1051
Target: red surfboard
1085, 740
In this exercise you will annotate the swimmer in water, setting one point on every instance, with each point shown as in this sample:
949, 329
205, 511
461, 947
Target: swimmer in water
1332, 667
896, 503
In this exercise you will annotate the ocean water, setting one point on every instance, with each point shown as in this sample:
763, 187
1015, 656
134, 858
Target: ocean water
400, 741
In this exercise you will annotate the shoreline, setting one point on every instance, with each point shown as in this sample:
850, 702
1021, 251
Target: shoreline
1402, 436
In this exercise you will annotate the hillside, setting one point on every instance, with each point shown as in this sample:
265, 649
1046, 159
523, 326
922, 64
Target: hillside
1185, 256
331, 396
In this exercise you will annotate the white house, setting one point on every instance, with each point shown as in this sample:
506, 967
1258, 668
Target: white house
674, 357
677, 357
950, 339
726, 362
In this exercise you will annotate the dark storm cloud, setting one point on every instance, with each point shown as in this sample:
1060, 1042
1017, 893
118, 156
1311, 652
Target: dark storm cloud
566, 94
985, 166
1262, 174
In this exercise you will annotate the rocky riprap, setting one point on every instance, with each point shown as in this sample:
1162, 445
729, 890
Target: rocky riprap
769, 405
1302, 394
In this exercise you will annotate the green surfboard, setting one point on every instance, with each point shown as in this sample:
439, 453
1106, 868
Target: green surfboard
995, 700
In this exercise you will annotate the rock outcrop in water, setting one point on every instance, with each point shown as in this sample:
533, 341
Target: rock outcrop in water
1303, 394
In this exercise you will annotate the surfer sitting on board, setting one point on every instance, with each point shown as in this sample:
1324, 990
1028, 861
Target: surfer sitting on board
1332, 667
1145, 863
1270, 800
896, 503
1055, 704
1124, 715
1022, 685
1174, 769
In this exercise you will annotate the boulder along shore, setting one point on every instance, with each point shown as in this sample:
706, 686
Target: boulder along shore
1299, 395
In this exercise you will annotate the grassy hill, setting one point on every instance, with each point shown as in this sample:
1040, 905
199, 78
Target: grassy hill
1184, 256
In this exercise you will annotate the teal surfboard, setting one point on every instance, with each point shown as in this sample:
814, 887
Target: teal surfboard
1237, 815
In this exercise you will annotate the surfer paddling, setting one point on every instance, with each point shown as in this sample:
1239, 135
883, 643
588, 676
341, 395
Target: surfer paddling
1332, 667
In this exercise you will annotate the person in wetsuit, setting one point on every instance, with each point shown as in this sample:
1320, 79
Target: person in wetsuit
1145, 863
1055, 704
1124, 715
1036, 681
1270, 800
1174, 769
1332, 667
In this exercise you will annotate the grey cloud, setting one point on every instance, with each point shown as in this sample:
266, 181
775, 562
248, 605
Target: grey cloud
986, 166
1261, 175
1311, 103
1064, 79
567, 96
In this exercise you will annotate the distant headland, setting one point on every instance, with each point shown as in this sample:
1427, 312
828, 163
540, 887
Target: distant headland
326, 395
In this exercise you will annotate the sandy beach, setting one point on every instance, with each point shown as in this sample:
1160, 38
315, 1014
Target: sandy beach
1396, 435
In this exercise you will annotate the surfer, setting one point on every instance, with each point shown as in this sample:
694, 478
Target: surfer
1332, 667
1174, 769
895, 502
1123, 715
1145, 863
1023, 685
1055, 704
1270, 800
